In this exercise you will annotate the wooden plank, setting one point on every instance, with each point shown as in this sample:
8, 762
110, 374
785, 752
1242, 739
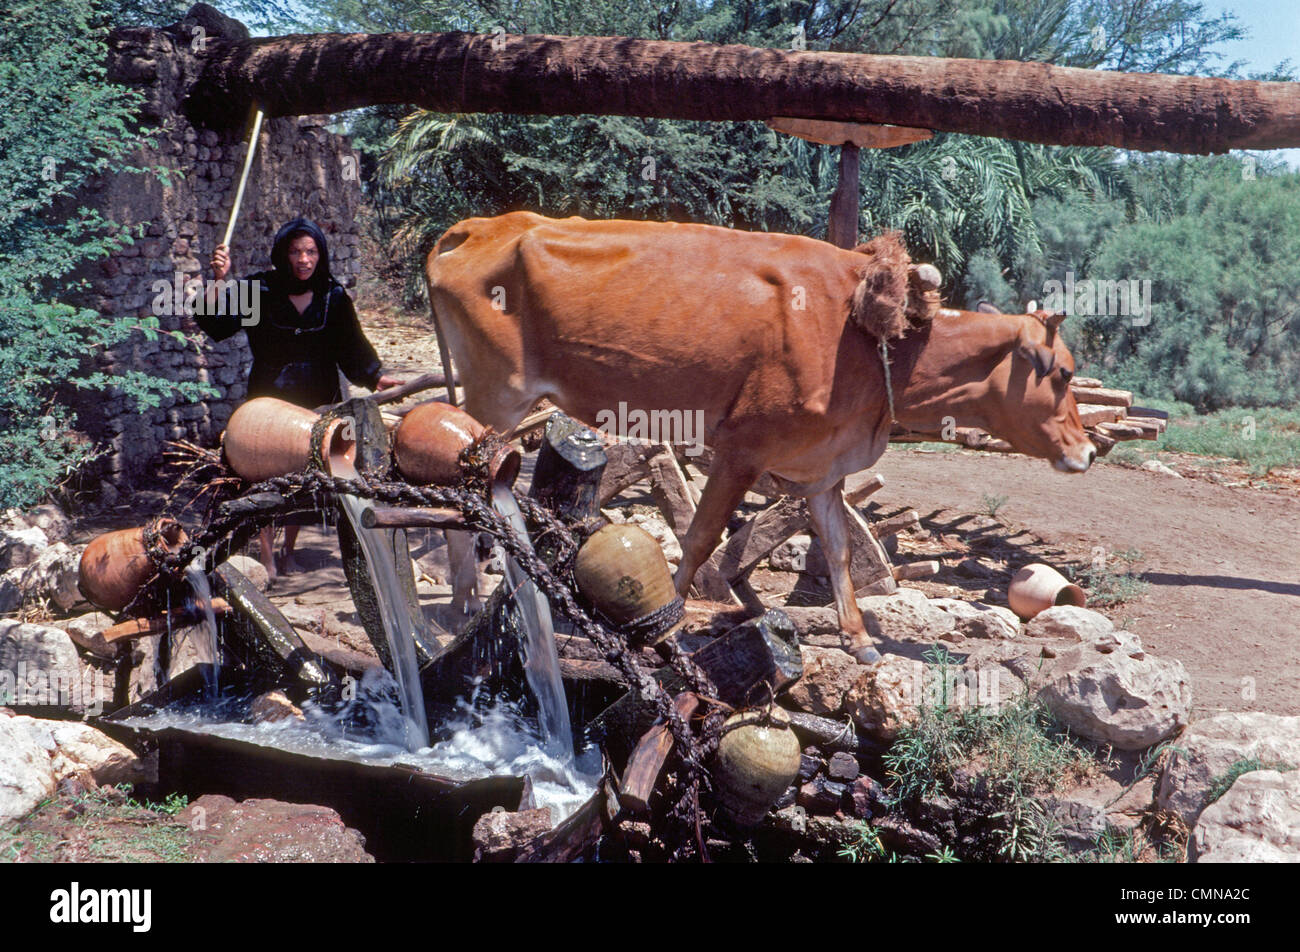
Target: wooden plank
647, 760
756, 539
1152, 424
1102, 396
864, 135
1093, 413
869, 566
884, 528
626, 465
915, 570
854, 496
1148, 412
1086, 383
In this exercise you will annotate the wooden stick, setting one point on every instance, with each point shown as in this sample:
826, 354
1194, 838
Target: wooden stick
402, 391
243, 177
915, 570
398, 517
875, 482
142, 627
885, 528
1090, 414
1102, 396
648, 758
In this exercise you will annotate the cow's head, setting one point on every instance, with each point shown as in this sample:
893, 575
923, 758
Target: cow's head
1006, 374
1032, 406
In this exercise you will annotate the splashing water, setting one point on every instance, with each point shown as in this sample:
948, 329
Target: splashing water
541, 660
399, 627
481, 740
208, 648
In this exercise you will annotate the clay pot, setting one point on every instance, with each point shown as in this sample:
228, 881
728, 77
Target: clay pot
267, 437
755, 764
1037, 587
428, 442
622, 571
115, 565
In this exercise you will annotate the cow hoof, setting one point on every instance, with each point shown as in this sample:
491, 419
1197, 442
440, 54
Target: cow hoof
866, 654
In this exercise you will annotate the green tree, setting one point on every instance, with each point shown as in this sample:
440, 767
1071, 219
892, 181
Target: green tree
62, 123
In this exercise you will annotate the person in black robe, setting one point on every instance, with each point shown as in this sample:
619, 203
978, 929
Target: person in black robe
304, 331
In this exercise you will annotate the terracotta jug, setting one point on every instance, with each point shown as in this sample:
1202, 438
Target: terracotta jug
622, 571
267, 437
1037, 587
428, 442
116, 565
755, 764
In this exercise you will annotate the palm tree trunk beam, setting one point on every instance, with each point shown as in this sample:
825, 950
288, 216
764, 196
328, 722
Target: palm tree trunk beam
553, 75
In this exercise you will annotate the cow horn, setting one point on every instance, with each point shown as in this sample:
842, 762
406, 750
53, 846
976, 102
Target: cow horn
1051, 320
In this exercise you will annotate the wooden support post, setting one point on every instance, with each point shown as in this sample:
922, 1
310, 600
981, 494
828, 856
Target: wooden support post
647, 759
264, 625
842, 223
869, 566
569, 469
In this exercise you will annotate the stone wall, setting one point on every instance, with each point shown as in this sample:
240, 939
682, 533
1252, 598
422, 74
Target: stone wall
182, 208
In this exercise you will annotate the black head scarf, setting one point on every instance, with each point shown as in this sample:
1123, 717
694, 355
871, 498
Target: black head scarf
320, 279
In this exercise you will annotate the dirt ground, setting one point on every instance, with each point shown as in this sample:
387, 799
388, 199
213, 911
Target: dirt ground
1221, 564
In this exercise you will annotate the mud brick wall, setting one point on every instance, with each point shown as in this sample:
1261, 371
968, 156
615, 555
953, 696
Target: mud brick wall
300, 168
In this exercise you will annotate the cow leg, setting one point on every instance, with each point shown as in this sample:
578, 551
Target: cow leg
831, 525
722, 494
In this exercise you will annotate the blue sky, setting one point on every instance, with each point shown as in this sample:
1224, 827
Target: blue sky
1274, 27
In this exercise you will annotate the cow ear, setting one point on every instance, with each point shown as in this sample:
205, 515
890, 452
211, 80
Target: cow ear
1051, 320
984, 307
1043, 358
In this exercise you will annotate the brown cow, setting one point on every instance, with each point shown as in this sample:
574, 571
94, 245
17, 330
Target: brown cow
752, 329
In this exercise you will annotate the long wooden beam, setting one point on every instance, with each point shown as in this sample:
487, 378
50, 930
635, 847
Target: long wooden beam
536, 74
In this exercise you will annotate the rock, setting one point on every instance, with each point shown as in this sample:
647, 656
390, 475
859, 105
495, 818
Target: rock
1130, 703
654, 524
885, 696
821, 795
1081, 823
906, 615
810, 764
39, 667
85, 631
20, 547
26, 774
83, 749
1213, 745
251, 569
1155, 466
868, 798
816, 625
49, 518
843, 767
972, 568
828, 673
1256, 821
792, 554
499, 836
1069, 622
53, 576
11, 593
897, 834
977, 620
273, 706
270, 831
